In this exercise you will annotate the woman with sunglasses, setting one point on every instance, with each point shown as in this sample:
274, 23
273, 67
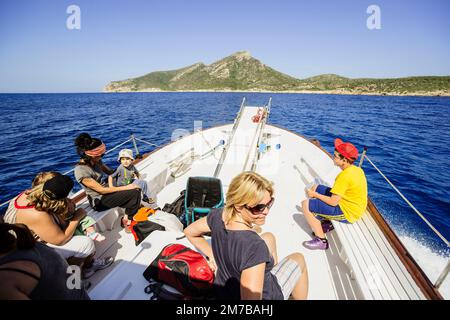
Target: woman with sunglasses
345, 202
246, 264
92, 174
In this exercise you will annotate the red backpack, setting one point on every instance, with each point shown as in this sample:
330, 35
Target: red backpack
183, 269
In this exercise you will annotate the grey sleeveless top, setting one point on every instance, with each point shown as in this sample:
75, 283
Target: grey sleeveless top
52, 283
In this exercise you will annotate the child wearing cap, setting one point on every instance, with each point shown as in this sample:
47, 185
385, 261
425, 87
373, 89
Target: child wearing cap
127, 173
345, 202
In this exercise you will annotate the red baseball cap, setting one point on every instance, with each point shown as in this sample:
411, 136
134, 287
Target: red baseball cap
347, 149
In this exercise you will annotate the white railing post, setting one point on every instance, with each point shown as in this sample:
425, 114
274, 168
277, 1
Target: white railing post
133, 139
265, 116
230, 137
443, 275
363, 156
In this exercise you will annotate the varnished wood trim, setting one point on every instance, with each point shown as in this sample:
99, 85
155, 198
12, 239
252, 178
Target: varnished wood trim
408, 261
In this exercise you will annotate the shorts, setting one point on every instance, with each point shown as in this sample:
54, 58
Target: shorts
77, 247
323, 211
288, 273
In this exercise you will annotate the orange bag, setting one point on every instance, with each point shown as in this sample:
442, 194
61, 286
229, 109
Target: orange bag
143, 213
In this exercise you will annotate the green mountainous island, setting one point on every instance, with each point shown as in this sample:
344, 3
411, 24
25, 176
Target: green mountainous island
241, 72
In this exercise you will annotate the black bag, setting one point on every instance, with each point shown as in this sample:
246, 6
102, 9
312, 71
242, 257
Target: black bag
141, 230
176, 207
160, 293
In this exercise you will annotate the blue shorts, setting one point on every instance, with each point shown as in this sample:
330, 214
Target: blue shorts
323, 211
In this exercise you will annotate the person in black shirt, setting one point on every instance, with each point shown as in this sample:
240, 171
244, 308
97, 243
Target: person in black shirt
30, 270
246, 263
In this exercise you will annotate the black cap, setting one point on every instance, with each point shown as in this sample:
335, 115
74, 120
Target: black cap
59, 187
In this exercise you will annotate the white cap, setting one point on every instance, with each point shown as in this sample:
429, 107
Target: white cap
125, 153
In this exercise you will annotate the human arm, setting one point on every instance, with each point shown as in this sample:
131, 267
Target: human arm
339, 189
332, 201
110, 181
194, 232
46, 228
252, 282
97, 187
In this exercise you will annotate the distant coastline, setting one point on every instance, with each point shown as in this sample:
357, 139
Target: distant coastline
341, 92
240, 72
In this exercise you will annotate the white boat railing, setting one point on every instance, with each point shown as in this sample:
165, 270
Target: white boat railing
446, 270
132, 139
225, 149
266, 114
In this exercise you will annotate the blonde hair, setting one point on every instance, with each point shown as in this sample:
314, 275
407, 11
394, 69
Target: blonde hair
42, 177
40, 200
246, 188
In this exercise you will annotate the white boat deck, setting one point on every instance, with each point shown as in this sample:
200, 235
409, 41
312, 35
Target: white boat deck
289, 167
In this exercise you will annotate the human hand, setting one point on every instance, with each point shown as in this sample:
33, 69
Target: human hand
70, 206
312, 192
212, 263
79, 214
132, 186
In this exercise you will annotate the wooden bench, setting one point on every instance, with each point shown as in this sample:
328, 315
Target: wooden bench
373, 262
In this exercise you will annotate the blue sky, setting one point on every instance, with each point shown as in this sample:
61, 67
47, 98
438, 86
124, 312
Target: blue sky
120, 39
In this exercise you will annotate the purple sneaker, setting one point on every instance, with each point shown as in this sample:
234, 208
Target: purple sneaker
316, 244
327, 226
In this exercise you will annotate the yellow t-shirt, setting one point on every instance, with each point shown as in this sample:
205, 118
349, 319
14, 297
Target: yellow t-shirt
351, 185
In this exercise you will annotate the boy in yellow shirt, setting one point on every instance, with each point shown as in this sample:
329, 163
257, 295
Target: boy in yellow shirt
345, 202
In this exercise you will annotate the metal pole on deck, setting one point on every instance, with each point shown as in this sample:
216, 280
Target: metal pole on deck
230, 137
138, 156
443, 275
363, 156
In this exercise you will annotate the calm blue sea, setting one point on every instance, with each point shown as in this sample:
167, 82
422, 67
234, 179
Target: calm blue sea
408, 138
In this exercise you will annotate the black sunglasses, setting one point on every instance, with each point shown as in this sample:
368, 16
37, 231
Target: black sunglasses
259, 208
338, 155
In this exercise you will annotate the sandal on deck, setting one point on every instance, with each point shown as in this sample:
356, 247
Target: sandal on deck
96, 236
126, 227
